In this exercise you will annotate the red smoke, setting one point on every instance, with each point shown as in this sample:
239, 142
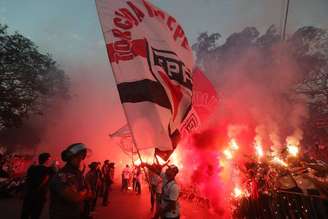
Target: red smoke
89, 116
256, 103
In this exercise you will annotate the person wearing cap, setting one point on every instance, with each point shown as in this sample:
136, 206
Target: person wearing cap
67, 189
170, 208
91, 180
36, 187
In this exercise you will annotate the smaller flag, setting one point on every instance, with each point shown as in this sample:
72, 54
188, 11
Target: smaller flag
123, 138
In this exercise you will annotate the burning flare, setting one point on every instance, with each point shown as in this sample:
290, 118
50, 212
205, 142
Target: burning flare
279, 161
293, 150
228, 154
259, 150
293, 143
238, 192
233, 145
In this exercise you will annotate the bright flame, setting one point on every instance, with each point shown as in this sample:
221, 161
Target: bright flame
279, 161
137, 162
233, 145
259, 150
293, 150
175, 159
225, 173
237, 192
228, 154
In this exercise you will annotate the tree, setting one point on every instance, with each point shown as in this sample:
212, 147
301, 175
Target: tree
29, 80
308, 47
246, 52
205, 43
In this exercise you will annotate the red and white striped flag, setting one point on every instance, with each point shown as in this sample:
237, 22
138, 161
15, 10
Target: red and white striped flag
152, 63
204, 103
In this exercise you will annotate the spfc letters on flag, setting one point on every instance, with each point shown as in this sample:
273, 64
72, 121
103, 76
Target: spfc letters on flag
152, 63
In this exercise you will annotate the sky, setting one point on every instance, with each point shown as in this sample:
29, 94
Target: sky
70, 31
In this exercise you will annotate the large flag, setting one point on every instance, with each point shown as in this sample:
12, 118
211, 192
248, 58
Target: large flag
204, 103
152, 63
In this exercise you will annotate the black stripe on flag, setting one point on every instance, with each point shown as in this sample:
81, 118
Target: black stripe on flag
143, 90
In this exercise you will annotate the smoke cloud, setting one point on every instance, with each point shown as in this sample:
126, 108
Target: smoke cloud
257, 106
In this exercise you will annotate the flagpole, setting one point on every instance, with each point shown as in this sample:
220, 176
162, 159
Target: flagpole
125, 113
283, 35
132, 156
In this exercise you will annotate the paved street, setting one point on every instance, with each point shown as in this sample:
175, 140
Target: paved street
122, 206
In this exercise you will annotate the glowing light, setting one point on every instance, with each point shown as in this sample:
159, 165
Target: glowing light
175, 159
237, 192
279, 161
225, 173
160, 160
228, 154
259, 150
233, 145
137, 162
293, 150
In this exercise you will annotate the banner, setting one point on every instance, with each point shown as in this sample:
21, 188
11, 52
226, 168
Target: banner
204, 103
123, 138
152, 62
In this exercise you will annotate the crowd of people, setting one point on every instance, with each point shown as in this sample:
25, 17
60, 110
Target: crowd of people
74, 191
131, 178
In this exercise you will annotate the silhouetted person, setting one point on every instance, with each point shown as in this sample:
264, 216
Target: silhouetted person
138, 176
125, 178
108, 179
37, 180
134, 178
91, 180
156, 180
170, 208
67, 189
100, 184
155, 183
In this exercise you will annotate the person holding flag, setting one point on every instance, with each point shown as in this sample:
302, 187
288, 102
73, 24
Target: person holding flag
170, 208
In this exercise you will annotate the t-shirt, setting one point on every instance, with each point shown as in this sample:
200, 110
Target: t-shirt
156, 181
36, 175
126, 173
91, 179
171, 192
108, 173
138, 175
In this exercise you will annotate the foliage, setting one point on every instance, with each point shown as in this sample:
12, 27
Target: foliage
308, 47
29, 80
